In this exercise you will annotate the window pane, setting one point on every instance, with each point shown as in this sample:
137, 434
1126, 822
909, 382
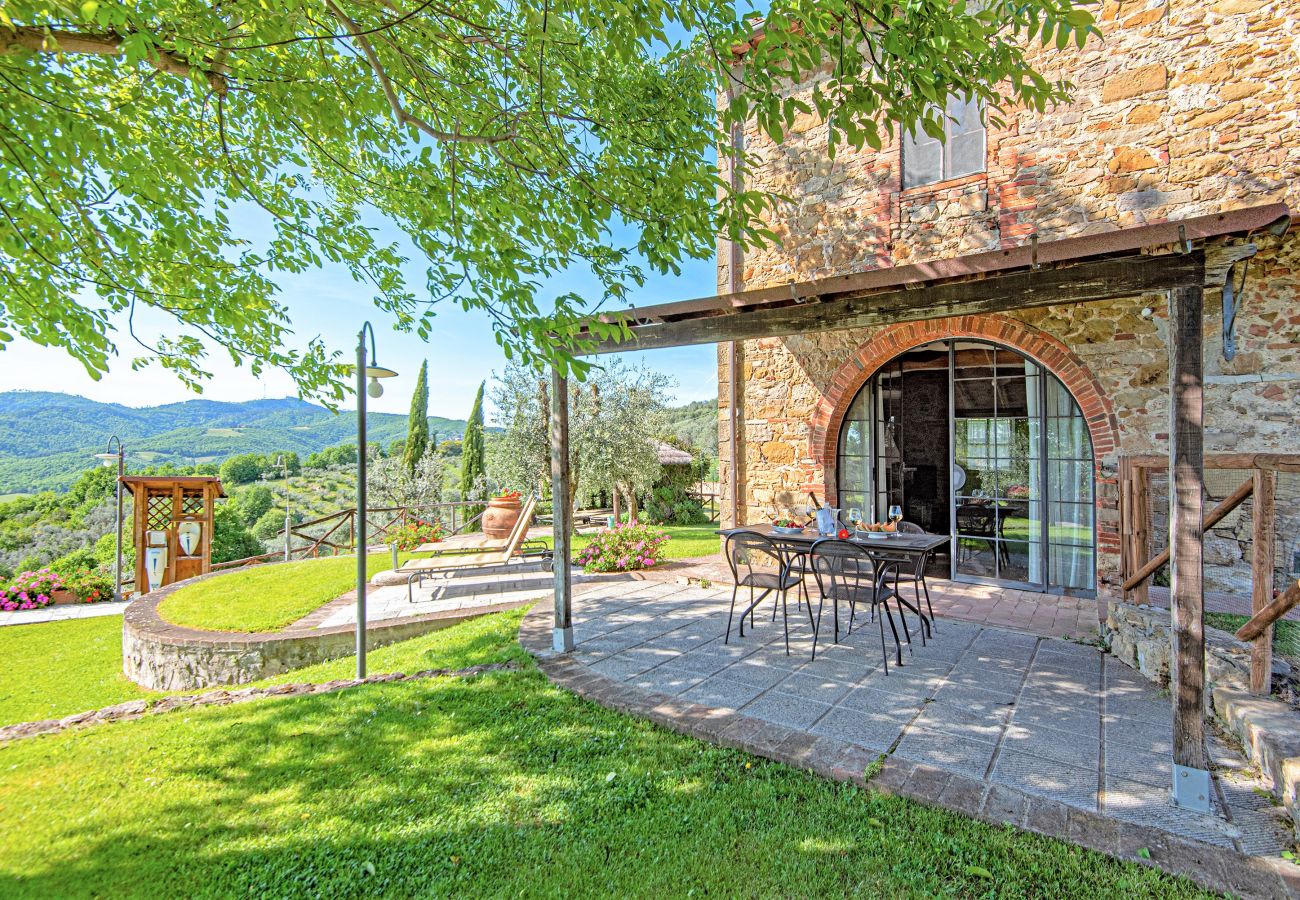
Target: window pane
965, 154
922, 160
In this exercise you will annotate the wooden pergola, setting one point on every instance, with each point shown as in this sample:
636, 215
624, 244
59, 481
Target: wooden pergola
1177, 259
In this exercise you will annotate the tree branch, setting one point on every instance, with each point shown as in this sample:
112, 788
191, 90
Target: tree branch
386, 85
42, 40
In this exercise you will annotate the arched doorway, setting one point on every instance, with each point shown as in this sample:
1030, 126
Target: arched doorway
979, 441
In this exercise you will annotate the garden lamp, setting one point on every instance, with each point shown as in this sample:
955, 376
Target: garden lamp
107, 458
366, 368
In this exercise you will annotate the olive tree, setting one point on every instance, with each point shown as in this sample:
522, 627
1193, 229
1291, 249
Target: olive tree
616, 418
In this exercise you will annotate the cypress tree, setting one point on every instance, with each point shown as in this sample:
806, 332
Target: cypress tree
417, 429
472, 458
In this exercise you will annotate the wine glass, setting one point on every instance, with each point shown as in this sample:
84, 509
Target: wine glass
895, 514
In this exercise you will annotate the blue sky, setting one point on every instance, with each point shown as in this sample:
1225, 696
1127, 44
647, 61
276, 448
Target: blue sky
461, 350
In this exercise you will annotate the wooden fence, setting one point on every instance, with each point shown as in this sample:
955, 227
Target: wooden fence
336, 533
1260, 473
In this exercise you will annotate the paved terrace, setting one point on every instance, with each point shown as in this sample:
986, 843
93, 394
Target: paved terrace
1042, 732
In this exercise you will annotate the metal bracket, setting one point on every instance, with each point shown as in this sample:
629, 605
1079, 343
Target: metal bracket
1192, 788
562, 640
1231, 303
1184, 245
1033, 251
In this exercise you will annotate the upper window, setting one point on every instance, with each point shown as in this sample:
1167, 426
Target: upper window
926, 160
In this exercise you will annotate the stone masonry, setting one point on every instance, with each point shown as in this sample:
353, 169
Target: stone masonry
1182, 108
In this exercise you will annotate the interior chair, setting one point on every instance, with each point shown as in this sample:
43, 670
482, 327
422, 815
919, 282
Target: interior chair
757, 563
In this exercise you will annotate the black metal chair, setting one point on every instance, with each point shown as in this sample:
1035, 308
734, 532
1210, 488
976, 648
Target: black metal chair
845, 572
757, 563
916, 575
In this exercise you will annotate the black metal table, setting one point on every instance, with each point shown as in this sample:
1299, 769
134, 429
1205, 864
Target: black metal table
892, 550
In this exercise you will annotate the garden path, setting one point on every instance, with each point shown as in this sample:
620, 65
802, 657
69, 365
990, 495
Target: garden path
63, 612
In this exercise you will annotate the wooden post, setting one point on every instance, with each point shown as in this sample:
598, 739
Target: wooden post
1139, 543
1261, 578
1191, 787
561, 513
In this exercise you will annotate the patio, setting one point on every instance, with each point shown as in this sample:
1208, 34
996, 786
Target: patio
1002, 713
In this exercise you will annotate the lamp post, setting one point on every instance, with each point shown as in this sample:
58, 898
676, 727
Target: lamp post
284, 470
374, 389
107, 458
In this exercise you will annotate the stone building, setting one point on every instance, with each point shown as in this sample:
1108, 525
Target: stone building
1009, 428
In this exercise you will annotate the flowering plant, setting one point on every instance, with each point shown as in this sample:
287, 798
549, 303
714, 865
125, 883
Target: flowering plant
30, 590
89, 586
414, 533
507, 495
1018, 491
626, 547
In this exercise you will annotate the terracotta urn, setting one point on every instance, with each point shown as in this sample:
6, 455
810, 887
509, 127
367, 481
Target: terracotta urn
500, 516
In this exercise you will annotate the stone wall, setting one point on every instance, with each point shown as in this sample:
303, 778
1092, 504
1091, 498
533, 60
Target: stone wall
1183, 108
165, 657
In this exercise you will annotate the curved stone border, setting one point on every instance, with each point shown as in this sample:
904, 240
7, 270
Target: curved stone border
1213, 867
165, 657
135, 709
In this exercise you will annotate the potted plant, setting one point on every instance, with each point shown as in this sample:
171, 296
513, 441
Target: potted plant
502, 514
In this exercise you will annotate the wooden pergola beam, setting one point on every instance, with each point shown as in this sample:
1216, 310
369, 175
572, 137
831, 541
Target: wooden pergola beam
1083, 282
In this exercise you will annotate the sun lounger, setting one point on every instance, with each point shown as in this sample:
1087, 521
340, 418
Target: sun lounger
516, 551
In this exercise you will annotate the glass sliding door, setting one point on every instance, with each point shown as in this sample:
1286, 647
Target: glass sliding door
997, 454
977, 441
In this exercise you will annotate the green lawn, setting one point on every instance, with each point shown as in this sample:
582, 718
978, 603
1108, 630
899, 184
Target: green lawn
266, 598
58, 668
500, 785
69, 667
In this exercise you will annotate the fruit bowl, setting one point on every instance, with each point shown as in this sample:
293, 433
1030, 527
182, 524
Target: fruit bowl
787, 529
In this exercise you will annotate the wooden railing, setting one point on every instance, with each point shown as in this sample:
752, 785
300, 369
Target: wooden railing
1262, 485
336, 534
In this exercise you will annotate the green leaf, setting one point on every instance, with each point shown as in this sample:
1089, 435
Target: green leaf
979, 872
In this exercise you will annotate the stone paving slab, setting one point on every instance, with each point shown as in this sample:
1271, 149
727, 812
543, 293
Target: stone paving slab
1004, 725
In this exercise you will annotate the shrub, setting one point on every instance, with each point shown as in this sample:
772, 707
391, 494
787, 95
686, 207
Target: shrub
414, 533
90, 585
624, 548
75, 561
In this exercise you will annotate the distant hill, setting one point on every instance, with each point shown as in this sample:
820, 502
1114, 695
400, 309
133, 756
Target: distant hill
46, 439
697, 424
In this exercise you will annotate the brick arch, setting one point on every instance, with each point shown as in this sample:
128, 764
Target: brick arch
890, 342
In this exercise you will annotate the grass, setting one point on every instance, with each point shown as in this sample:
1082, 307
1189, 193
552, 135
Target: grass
55, 669
266, 598
500, 785
1286, 634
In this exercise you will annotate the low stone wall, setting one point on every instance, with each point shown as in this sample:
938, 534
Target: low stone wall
1139, 637
159, 655
1268, 730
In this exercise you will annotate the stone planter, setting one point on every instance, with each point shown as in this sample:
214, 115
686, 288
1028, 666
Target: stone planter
500, 516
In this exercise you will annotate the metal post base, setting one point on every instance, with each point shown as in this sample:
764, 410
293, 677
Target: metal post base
1192, 788
563, 640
